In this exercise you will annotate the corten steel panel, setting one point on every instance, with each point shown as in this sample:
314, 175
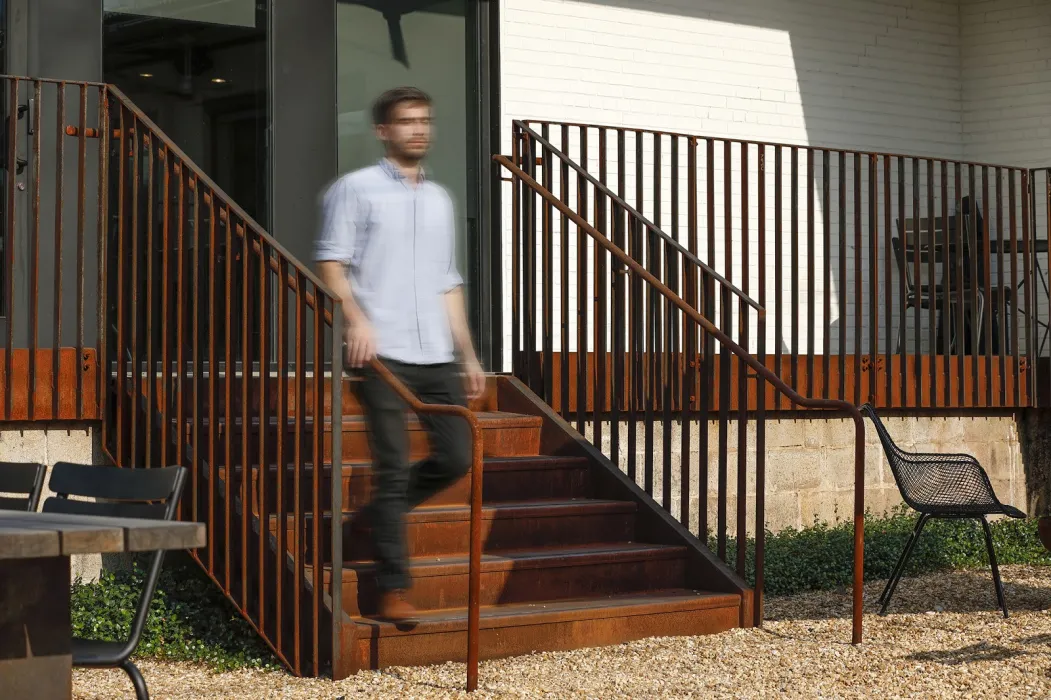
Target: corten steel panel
841, 374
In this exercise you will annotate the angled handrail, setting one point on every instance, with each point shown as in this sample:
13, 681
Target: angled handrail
652, 227
759, 368
475, 561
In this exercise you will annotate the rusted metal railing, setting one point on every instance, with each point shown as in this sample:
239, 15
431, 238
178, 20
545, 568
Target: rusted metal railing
221, 350
636, 335
902, 281
52, 267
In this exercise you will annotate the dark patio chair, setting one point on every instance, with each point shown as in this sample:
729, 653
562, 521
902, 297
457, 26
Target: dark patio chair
940, 486
122, 493
25, 479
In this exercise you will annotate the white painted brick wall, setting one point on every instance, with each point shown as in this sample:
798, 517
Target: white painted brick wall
861, 74
1005, 59
1006, 74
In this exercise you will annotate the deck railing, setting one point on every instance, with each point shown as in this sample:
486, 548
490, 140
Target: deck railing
51, 163
839, 247
221, 348
589, 271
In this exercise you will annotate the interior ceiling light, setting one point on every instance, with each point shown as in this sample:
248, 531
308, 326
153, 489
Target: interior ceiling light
145, 75
218, 81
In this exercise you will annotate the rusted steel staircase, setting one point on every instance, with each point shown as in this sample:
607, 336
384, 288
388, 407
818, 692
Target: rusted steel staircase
574, 555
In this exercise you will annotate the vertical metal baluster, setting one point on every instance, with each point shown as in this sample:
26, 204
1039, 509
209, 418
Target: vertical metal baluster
60, 171
299, 450
548, 274
1030, 293
742, 372
842, 276
247, 417
263, 460
34, 253
689, 393
859, 300
582, 287
873, 384
811, 277
9, 243
794, 262
317, 600
760, 394
931, 371
1002, 333
601, 287
946, 355
888, 266
150, 374
779, 285
135, 339
826, 213
957, 258
163, 407
986, 275
564, 404
517, 213
281, 450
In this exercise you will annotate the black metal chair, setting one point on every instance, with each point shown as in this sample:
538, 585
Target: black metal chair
122, 493
951, 486
21, 478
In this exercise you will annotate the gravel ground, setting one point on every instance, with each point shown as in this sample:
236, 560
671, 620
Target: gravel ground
943, 639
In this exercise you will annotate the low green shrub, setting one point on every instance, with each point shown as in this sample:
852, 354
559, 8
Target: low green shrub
821, 557
190, 619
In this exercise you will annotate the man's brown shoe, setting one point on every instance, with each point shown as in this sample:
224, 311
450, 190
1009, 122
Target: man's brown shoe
396, 608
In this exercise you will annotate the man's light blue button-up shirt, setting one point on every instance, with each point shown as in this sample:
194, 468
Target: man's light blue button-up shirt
398, 245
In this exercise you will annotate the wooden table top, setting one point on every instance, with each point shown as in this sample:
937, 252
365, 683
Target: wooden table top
29, 535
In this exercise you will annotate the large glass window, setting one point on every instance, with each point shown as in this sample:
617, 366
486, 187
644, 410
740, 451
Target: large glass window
199, 68
387, 43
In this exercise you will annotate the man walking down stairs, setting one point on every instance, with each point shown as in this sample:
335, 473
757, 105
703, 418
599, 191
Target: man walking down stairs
386, 247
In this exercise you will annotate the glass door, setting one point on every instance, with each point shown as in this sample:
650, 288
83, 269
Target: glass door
422, 43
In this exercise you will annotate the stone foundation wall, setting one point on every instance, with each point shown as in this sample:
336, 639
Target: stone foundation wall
810, 465
48, 446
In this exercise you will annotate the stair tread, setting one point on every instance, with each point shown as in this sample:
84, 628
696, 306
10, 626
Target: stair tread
516, 614
507, 560
356, 421
519, 463
537, 507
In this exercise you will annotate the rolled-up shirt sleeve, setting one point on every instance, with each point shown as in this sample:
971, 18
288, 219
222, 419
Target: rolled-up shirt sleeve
335, 240
452, 278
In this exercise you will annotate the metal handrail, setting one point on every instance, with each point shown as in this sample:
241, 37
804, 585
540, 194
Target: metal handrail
653, 228
475, 557
759, 368
769, 144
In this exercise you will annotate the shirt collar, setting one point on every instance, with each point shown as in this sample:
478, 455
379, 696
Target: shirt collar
395, 172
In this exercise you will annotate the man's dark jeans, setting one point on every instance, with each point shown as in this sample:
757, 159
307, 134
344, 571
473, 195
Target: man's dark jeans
398, 487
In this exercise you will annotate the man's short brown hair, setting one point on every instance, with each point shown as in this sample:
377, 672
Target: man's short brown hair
383, 107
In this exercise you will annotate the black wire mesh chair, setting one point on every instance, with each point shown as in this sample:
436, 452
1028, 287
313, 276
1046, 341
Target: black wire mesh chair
151, 494
951, 486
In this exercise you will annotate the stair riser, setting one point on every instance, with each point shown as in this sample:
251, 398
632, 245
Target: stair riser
434, 539
498, 441
350, 403
497, 486
524, 585
494, 643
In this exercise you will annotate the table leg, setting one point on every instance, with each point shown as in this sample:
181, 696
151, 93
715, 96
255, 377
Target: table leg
35, 639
